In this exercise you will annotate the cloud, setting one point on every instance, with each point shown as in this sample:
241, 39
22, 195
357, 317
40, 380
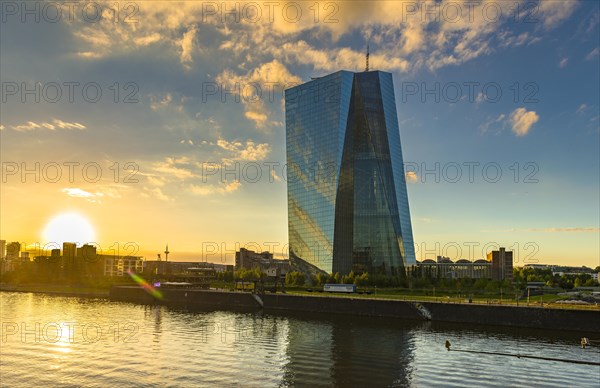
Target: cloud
491, 122
166, 101
232, 186
554, 12
171, 177
31, 125
508, 39
411, 177
223, 188
245, 152
581, 109
178, 168
93, 197
546, 230
522, 121
341, 58
94, 37
257, 86
89, 55
499, 230
66, 125
156, 180
157, 193
259, 118
569, 230
404, 35
148, 39
187, 43
79, 193
274, 176
563, 63
592, 54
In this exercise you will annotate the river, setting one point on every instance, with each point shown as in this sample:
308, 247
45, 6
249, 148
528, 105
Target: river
67, 341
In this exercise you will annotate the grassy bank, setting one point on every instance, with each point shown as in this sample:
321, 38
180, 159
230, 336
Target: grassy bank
546, 301
414, 295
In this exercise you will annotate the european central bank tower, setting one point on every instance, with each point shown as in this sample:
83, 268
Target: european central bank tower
347, 201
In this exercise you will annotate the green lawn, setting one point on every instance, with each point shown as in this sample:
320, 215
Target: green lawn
535, 301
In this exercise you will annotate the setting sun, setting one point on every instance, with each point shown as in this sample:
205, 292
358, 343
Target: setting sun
69, 227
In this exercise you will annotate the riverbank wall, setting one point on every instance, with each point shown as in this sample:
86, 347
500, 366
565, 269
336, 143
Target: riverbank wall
583, 321
49, 291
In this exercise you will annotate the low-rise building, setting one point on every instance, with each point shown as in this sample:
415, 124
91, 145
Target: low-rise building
115, 266
447, 269
246, 259
162, 267
498, 266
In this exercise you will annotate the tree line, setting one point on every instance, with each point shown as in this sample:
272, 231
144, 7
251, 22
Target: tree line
423, 279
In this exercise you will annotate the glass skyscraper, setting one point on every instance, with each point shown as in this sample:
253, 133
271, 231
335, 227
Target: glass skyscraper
347, 201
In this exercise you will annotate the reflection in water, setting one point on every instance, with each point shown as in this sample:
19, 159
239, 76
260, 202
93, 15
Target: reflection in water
348, 350
128, 344
309, 353
385, 353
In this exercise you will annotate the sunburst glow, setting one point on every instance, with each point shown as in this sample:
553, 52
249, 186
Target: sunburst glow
69, 227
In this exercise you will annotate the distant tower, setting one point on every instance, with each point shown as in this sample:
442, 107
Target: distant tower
367, 67
167, 253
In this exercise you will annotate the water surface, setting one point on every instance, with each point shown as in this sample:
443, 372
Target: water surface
65, 341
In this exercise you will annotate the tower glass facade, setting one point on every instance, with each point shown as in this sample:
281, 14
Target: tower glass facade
347, 200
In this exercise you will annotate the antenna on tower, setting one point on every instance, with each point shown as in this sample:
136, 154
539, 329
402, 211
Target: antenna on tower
367, 67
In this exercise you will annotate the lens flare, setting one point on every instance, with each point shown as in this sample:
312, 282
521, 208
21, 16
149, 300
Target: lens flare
145, 285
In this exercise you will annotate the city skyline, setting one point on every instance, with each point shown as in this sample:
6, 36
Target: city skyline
312, 193
215, 257
513, 160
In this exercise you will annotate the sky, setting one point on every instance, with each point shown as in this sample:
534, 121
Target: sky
137, 124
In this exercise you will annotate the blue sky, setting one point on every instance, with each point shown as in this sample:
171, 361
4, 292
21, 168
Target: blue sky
180, 128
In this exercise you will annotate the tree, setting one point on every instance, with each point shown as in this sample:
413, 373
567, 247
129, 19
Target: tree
443, 283
295, 278
480, 284
337, 278
362, 280
322, 279
506, 284
492, 286
348, 279
565, 283
248, 274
